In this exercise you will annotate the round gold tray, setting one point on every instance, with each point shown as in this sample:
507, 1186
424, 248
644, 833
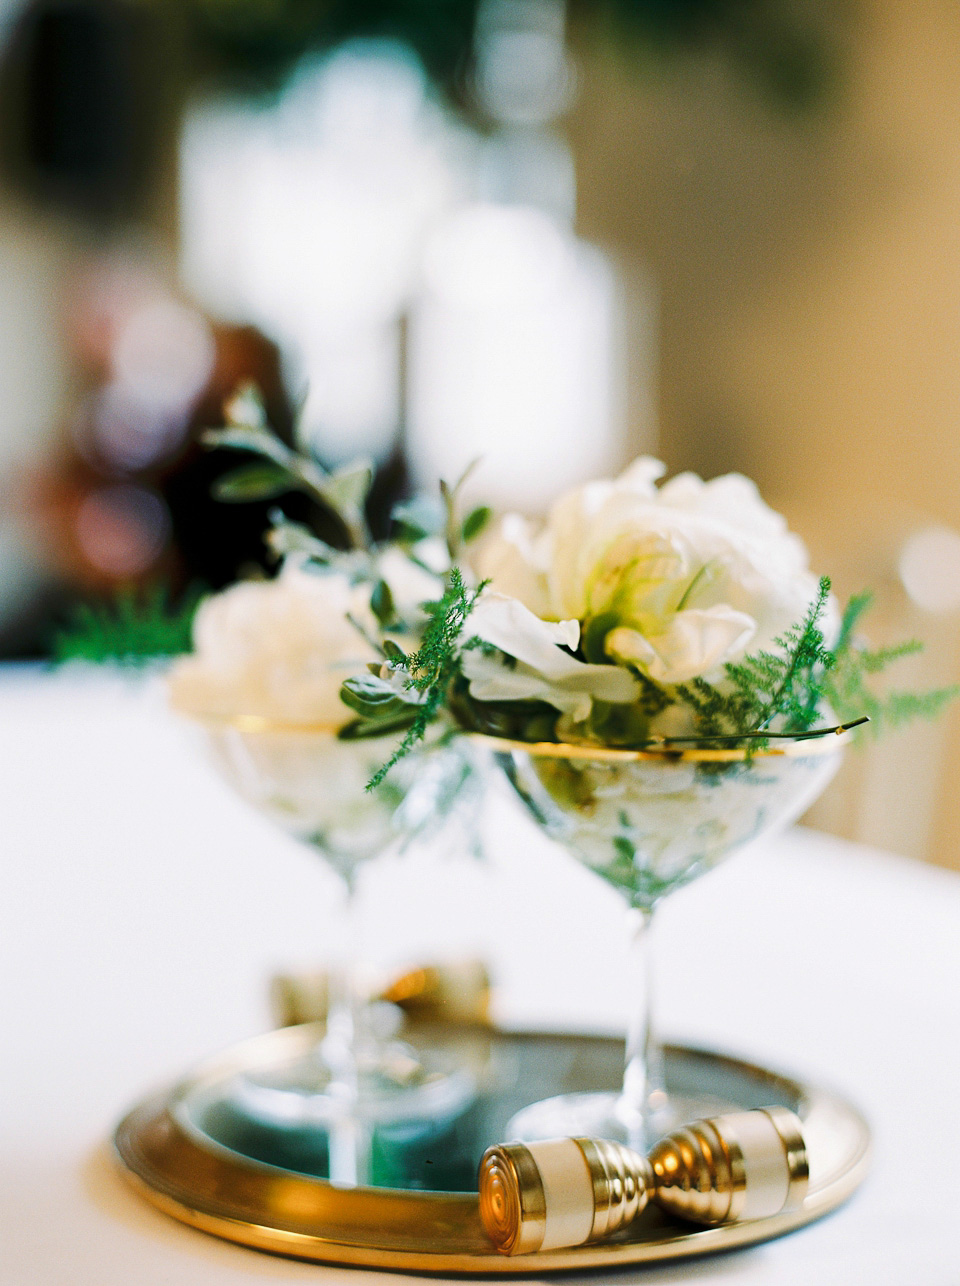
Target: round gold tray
192, 1153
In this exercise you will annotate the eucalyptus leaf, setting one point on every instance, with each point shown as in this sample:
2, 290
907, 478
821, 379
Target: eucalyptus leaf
358, 729
374, 698
468, 471
347, 488
252, 482
286, 537
381, 603
475, 522
418, 518
259, 441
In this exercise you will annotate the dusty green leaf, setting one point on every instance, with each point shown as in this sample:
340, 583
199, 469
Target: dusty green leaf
347, 488
475, 522
252, 482
381, 603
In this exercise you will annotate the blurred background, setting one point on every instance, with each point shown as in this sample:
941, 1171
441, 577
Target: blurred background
726, 232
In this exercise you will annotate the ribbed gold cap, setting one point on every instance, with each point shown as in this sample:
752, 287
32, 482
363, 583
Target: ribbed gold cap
513, 1208
743, 1165
564, 1192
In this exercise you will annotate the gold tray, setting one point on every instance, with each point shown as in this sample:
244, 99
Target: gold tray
191, 1154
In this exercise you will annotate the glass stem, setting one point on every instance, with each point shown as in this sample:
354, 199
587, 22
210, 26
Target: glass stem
348, 1136
643, 1095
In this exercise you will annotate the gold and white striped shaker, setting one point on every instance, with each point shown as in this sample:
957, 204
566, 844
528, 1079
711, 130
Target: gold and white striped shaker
564, 1192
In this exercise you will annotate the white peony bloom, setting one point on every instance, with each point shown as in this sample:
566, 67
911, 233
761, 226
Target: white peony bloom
676, 581
279, 649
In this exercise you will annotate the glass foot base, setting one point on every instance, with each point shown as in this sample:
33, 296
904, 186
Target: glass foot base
396, 1090
608, 1116
338, 1126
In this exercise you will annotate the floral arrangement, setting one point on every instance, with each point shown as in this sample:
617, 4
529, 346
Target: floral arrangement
281, 649
638, 615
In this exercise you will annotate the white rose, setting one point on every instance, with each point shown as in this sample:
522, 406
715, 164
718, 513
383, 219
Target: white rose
676, 581
279, 649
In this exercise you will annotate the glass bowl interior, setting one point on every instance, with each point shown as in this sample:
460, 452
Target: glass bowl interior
648, 822
311, 783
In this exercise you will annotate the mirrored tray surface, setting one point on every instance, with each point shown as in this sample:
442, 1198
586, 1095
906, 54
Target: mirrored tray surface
208, 1154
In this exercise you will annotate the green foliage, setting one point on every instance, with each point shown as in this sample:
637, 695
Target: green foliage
133, 630
423, 516
515, 720
416, 519
280, 468
785, 686
846, 686
382, 605
429, 673
459, 531
475, 522
286, 537
382, 707
769, 695
252, 482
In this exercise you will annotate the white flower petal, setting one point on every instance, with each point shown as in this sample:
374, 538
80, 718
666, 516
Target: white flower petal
514, 629
572, 691
695, 642
543, 668
511, 559
278, 648
641, 475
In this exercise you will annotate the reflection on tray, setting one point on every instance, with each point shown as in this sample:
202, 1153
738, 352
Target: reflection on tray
265, 1115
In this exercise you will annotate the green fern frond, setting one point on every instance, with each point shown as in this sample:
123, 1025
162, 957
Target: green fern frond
433, 667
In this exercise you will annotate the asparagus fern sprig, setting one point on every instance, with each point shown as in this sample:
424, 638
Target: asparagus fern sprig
408, 691
791, 687
847, 685
785, 685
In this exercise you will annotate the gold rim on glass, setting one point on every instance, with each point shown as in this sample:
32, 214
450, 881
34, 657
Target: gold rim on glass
826, 744
257, 722
803, 747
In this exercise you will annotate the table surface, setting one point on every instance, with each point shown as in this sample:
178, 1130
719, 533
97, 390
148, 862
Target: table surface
143, 908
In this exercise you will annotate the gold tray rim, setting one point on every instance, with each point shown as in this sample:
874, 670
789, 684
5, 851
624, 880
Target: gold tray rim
155, 1151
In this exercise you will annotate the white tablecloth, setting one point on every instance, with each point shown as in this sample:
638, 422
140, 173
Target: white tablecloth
142, 909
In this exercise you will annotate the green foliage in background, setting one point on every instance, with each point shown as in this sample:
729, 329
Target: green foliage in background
133, 629
278, 469
847, 684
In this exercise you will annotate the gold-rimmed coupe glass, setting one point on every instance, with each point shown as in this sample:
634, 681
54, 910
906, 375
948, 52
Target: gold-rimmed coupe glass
359, 1078
648, 822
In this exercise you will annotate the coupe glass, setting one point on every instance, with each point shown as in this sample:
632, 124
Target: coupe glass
648, 822
359, 1078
